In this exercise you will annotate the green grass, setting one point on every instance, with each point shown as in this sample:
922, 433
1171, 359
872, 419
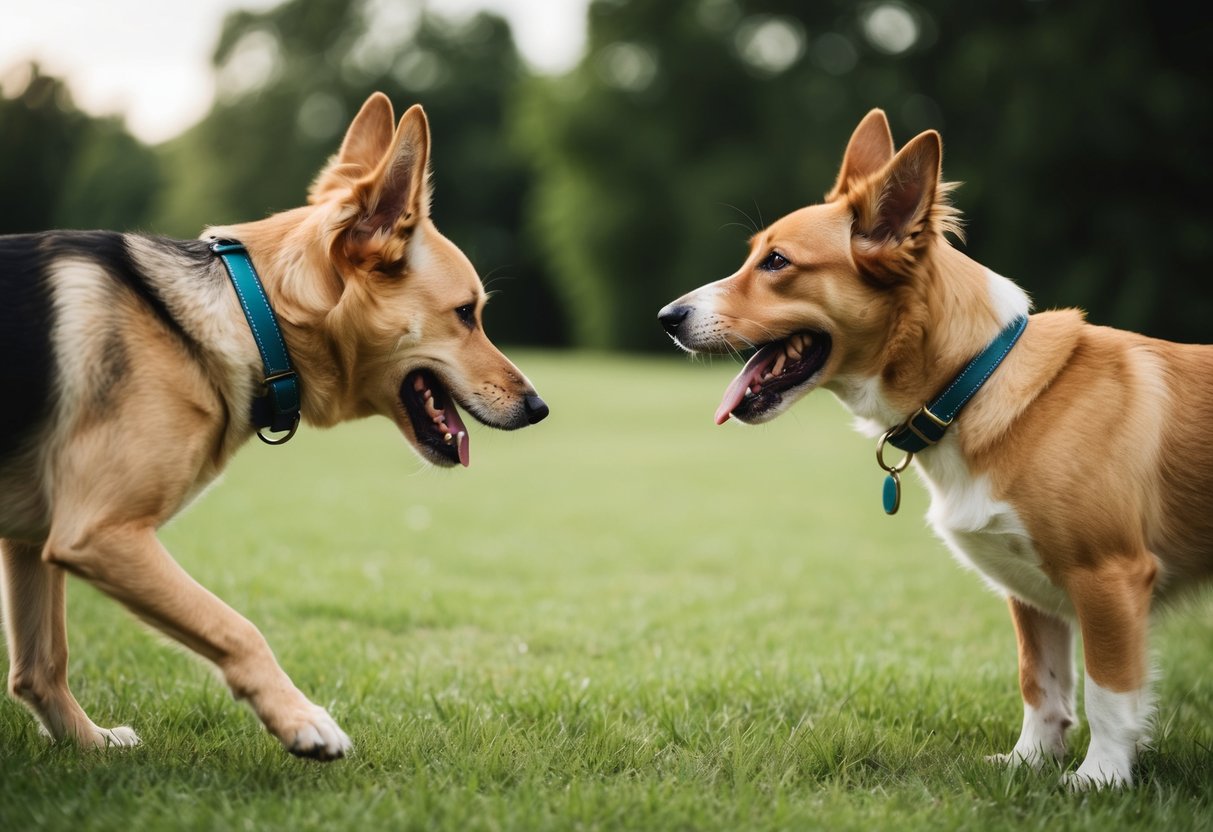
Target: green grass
624, 618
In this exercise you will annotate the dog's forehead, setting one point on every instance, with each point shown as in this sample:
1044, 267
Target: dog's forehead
820, 229
434, 255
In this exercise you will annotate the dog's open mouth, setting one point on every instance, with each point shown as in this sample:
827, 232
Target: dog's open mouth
440, 431
775, 369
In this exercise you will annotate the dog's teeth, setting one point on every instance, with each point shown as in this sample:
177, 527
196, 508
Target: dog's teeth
419, 384
779, 362
433, 412
447, 438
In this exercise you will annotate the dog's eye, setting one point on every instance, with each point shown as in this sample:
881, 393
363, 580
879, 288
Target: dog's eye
467, 315
773, 262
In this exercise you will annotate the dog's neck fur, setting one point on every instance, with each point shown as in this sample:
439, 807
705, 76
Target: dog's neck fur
305, 310
944, 318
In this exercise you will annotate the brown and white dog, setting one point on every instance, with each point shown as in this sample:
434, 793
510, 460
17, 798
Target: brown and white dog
1078, 481
128, 371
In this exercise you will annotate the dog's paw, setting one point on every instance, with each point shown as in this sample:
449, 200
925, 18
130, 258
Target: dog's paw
120, 737
1012, 760
1095, 778
1033, 758
317, 736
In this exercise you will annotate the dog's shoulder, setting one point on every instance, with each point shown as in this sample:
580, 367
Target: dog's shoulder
1047, 347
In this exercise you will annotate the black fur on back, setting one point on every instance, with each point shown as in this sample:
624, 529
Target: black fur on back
26, 357
27, 316
108, 249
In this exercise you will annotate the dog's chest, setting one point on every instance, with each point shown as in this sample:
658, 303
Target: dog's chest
986, 534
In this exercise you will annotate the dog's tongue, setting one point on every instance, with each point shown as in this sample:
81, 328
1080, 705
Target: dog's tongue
750, 373
450, 415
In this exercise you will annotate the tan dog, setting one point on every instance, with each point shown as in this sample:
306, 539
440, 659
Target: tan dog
1078, 481
131, 371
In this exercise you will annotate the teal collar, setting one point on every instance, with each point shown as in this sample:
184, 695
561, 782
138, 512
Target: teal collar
929, 423
278, 407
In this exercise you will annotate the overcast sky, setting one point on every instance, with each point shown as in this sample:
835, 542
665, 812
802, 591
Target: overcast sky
150, 59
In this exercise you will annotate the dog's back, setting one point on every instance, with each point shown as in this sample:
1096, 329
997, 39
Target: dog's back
84, 312
26, 357
1110, 455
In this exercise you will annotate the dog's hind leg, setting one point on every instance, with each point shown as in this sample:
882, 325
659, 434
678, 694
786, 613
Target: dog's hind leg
1112, 598
127, 562
35, 598
1046, 682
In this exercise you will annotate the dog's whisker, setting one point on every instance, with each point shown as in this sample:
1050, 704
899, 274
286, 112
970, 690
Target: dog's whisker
753, 227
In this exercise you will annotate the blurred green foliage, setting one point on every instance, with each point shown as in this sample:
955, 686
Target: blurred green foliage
64, 169
591, 198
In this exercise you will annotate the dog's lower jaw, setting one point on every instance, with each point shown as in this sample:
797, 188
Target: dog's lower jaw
425, 411
775, 377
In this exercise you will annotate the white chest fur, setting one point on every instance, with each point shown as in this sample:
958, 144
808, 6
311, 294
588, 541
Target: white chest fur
984, 533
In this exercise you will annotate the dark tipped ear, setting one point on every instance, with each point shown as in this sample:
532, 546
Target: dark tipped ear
869, 150
396, 196
366, 142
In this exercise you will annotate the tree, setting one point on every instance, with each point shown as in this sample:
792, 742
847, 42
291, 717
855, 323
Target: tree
65, 169
1079, 132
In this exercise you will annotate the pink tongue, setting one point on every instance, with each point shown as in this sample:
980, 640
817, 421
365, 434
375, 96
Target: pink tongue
752, 371
464, 454
455, 425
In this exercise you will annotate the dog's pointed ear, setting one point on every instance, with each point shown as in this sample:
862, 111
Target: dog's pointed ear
396, 195
907, 189
869, 150
366, 142
901, 211
370, 133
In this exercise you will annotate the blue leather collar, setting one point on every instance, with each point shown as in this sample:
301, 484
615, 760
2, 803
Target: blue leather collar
278, 408
929, 423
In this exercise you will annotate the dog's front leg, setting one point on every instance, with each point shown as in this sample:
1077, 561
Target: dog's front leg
127, 562
1112, 599
1046, 682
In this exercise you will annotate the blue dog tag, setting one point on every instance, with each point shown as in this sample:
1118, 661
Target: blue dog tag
892, 493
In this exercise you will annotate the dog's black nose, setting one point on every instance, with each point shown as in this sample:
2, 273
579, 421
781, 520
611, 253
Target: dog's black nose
536, 409
671, 316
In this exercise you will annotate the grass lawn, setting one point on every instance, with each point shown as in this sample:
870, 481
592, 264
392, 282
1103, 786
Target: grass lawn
624, 618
